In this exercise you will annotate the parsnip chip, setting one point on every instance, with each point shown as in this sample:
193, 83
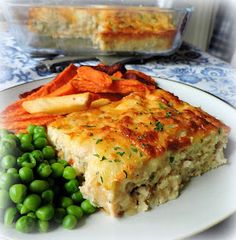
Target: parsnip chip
58, 105
100, 102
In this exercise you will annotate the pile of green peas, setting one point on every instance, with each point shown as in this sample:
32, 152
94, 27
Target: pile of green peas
37, 190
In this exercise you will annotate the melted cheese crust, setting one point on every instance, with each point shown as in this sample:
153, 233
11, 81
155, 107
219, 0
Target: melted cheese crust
128, 140
109, 29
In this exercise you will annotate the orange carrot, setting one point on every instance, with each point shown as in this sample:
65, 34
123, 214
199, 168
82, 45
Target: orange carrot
142, 77
89, 74
117, 74
66, 89
57, 82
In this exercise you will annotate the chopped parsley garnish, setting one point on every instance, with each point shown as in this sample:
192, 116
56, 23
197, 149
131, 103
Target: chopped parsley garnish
117, 148
89, 126
126, 174
170, 104
134, 149
120, 153
140, 154
103, 158
171, 159
96, 155
101, 179
159, 126
162, 106
116, 160
219, 130
168, 114
99, 140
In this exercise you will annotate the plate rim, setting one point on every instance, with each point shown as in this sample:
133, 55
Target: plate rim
175, 82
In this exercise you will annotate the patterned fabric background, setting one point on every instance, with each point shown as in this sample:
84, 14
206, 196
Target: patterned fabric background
188, 65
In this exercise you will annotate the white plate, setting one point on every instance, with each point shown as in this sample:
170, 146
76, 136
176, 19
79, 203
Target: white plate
206, 201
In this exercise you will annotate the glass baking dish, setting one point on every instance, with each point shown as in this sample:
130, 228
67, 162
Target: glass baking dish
98, 27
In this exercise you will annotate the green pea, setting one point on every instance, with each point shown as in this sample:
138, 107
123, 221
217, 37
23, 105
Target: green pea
40, 142
17, 192
60, 213
24, 210
25, 224
44, 170
10, 138
32, 202
38, 186
4, 199
65, 202
48, 152
69, 221
87, 207
8, 161
75, 210
7, 147
19, 135
45, 213
72, 186
31, 128
26, 160
77, 197
27, 147
19, 206
12, 170
43, 226
26, 174
26, 138
38, 155
39, 129
32, 214
63, 162
38, 135
47, 196
6, 180
3, 132
10, 215
69, 173
57, 169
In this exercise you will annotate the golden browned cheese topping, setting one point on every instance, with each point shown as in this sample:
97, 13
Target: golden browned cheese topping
136, 129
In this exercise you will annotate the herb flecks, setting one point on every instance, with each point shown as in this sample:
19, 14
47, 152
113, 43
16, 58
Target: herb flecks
171, 159
120, 153
89, 126
170, 104
117, 148
116, 160
134, 149
101, 178
96, 155
103, 158
168, 114
162, 106
126, 174
99, 140
159, 126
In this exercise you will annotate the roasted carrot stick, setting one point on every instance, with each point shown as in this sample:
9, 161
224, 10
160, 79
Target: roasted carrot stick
89, 74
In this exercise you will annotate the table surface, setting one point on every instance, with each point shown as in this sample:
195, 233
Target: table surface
188, 65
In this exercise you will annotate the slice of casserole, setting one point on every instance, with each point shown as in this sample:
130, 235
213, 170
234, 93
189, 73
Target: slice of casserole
140, 151
108, 29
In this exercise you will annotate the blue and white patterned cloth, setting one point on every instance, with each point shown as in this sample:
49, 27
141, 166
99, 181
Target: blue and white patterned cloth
188, 65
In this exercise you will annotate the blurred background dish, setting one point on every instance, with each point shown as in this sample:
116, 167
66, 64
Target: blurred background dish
98, 27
